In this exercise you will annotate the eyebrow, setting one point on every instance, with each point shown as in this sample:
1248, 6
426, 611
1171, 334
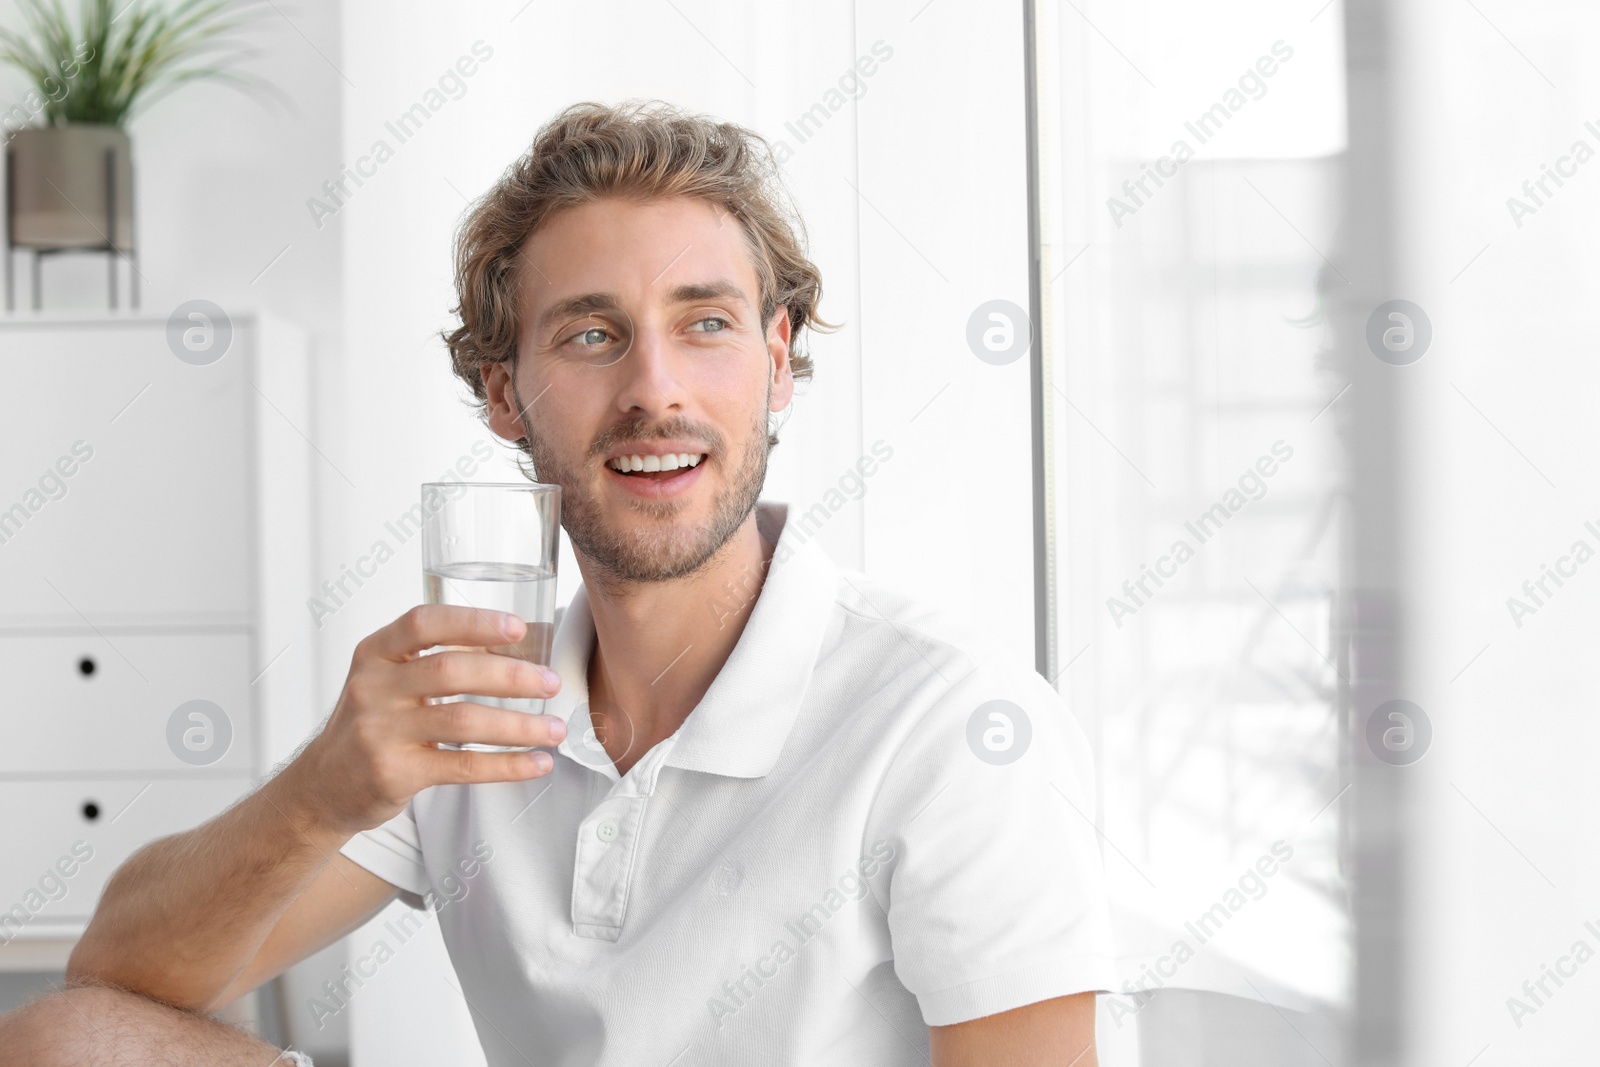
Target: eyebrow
589, 303
577, 305
720, 289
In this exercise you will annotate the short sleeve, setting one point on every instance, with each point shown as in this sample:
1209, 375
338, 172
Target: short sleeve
996, 896
393, 852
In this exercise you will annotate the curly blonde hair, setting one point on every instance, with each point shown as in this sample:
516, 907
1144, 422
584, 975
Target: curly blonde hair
643, 150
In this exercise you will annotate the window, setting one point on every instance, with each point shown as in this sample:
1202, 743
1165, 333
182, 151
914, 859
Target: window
1189, 167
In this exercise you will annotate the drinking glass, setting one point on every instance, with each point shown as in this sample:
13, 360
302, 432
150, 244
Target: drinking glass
493, 546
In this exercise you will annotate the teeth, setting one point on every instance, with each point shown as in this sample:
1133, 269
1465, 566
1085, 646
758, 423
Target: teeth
669, 462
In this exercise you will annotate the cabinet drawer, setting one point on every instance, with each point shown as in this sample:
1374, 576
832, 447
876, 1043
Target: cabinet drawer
151, 514
62, 840
105, 702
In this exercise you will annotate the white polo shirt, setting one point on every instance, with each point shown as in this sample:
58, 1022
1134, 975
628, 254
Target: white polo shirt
861, 831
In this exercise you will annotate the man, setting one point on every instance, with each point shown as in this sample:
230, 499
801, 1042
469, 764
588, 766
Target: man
784, 822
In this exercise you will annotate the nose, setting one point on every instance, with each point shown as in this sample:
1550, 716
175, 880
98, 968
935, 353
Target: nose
649, 385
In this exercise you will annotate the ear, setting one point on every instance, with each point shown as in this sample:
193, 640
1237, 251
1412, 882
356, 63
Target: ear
502, 404
778, 349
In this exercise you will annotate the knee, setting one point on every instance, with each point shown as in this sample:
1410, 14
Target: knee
73, 1026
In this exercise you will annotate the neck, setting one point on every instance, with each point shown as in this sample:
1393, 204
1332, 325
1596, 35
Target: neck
659, 645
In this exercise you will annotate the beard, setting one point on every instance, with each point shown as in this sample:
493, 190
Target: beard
660, 550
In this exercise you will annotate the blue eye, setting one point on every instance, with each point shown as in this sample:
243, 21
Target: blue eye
587, 337
722, 324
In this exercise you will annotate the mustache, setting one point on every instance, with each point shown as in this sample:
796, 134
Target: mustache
639, 431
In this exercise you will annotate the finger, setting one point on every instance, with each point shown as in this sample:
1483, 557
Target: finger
466, 767
427, 625
460, 721
449, 673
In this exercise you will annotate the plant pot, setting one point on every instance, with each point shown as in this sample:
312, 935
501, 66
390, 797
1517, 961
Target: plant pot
61, 187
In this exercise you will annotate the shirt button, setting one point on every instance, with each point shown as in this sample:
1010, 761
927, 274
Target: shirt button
606, 830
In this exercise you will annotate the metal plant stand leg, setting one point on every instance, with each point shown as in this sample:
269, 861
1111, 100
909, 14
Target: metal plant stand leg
111, 223
130, 253
133, 237
11, 199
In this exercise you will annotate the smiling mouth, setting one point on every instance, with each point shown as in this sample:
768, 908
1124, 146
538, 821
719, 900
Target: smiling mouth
655, 467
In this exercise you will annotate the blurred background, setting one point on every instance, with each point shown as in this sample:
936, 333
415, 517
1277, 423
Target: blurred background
1232, 359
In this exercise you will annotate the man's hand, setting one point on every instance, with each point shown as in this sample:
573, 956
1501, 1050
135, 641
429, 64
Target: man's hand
378, 748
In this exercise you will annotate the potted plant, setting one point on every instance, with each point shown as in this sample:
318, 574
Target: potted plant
69, 160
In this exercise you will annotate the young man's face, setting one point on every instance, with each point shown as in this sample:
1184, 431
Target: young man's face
641, 336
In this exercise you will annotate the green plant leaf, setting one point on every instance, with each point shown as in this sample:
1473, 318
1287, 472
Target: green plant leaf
107, 63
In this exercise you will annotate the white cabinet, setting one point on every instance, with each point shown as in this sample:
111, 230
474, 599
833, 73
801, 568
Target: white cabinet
75, 706
76, 833
155, 517
155, 650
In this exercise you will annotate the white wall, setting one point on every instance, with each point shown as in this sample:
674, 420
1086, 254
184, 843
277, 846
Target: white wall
943, 230
1501, 429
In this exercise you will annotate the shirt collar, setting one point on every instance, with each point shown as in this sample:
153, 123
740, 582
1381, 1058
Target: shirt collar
739, 727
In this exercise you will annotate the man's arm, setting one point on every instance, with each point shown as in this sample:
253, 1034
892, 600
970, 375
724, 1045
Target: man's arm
204, 916
199, 918
340, 899
1057, 1033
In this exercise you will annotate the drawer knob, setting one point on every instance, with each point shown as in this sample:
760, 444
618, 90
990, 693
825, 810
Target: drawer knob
91, 810
86, 666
